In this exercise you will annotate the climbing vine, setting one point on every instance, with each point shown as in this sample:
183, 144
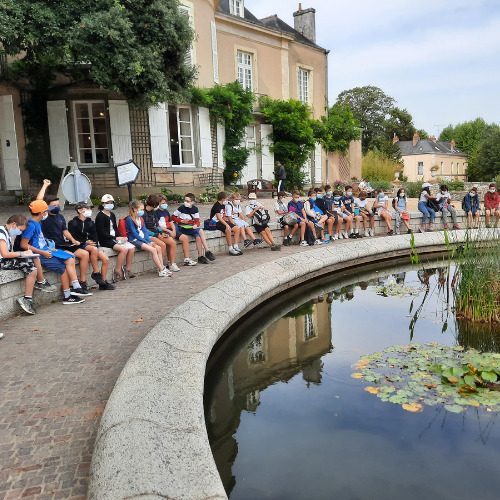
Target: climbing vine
232, 106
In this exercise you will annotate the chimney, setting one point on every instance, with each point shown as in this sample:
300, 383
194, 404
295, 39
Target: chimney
305, 22
453, 145
416, 138
395, 139
432, 138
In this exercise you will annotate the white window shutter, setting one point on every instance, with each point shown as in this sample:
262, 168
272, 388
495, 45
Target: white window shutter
8, 137
205, 137
215, 53
221, 140
158, 130
266, 133
58, 133
121, 140
318, 167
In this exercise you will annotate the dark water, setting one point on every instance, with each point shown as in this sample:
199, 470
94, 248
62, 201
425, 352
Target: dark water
287, 421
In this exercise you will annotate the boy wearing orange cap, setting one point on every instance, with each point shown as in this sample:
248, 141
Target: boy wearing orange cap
34, 240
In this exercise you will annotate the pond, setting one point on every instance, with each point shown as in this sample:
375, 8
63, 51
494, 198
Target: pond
286, 420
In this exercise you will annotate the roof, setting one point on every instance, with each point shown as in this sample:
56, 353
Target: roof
426, 146
272, 22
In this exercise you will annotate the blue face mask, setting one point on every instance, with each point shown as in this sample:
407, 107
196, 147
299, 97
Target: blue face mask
15, 232
109, 206
319, 196
164, 206
313, 198
54, 210
140, 213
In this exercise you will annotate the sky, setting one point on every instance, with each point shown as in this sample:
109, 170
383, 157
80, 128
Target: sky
440, 59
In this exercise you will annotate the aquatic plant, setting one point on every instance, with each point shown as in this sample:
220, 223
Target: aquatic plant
419, 375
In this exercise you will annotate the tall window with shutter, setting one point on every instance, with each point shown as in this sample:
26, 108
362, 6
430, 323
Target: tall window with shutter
303, 85
181, 136
245, 69
237, 8
91, 130
187, 11
215, 52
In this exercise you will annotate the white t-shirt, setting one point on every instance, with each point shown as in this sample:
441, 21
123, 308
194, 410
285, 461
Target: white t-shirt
233, 210
4, 236
280, 206
360, 203
443, 199
424, 196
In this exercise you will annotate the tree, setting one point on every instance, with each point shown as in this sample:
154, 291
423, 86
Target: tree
336, 130
135, 47
293, 135
371, 107
487, 160
400, 123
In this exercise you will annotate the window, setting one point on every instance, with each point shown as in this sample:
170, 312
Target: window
420, 168
187, 11
237, 8
91, 128
309, 328
303, 85
452, 167
245, 71
181, 135
255, 350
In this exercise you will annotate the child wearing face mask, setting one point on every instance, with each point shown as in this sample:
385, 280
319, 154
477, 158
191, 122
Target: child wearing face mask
491, 204
315, 215
381, 206
83, 230
296, 206
55, 228
472, 207
62, 263
337, 213
234, 212
19, 261
400, 212
368, 216
187, 218
138, 235
428, 213
443, 199
353, 213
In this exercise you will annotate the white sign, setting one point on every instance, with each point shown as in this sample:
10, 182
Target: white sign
126, 173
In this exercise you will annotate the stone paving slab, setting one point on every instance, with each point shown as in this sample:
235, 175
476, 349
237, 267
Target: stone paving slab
57, 370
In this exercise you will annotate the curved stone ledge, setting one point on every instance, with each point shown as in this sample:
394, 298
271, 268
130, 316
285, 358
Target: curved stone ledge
152, 441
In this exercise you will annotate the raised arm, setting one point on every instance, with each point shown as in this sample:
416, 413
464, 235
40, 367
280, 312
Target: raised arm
41, 193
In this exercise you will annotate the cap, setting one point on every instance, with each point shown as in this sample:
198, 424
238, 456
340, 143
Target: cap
252, 196
81, 205
38, 206
426, 185
106, 198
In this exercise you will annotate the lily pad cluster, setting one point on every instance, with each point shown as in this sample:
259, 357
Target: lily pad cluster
393, 289
431, 374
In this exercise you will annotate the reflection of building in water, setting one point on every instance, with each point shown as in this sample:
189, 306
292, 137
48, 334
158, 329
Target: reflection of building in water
292, 345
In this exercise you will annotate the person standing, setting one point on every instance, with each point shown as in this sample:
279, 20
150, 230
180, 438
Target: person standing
280, 176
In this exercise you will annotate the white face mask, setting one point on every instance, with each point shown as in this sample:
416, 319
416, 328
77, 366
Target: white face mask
349, 193
188, 204
87, 213
45, 217
492, 190
472, 193
109, 206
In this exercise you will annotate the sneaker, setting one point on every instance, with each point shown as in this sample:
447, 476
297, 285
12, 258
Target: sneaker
203, 260
238, 249
45, 286
106, 286
189, 262
390, 233
409, 231
233, 251
335, 237
124, 273
421, 229
209, 255
303, 243
318, 242
116, 277
247, 243
456, 226
26, 305
72, 299
80, 292
287, 241
165, 273
352, 235
174, 267
275, 248
257, 241
445, 226
345, 236
97, 277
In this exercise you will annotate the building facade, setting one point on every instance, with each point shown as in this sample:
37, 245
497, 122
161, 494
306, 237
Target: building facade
430, 159
179, 145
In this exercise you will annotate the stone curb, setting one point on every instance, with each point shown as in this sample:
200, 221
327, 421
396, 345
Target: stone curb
152, 442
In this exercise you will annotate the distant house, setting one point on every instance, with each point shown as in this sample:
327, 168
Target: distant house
430, 159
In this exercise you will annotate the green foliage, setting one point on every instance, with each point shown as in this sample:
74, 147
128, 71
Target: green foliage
412, 189
210, 194
419, 375
400, 123
135, 47
377, 167
422, 133
293, 135
452, 185
232, 106
171, 196
336, 131
385, 185
486, 163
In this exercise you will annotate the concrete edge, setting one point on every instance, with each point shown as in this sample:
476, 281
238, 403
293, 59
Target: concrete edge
152, 440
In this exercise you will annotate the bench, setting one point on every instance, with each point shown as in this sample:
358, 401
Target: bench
261, 186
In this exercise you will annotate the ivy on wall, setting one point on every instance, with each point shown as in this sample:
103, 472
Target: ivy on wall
232, 106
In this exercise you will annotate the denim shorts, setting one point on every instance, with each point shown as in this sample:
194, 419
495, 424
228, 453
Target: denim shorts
190, 231
53, 264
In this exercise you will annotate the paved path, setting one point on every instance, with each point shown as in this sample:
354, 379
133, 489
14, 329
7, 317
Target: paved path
58, 368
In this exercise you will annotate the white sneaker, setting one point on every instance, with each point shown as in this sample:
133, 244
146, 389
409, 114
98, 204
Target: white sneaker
335, 236
233, 251
174, 267
303, 243
165, 273
345, 236
318, 242
189, 262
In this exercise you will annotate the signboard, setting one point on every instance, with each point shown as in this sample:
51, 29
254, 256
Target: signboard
75, 186
126, 173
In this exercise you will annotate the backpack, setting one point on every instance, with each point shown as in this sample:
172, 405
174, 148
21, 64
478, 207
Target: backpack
261, 217
122, 227
210, 225
309, 236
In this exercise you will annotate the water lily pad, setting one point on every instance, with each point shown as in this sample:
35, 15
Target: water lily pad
413, 407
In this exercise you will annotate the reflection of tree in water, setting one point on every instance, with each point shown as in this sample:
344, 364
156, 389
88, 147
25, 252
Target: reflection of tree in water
480, 336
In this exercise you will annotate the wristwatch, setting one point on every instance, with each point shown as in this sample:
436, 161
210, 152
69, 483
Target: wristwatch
20, 255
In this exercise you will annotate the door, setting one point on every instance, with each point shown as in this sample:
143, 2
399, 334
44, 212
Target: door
249, 171
9, 154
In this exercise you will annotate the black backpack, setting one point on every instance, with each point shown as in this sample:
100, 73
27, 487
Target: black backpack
261, 217
309, 236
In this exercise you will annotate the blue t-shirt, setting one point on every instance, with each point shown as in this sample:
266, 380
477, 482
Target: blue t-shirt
348, 202
296, 207
33, 233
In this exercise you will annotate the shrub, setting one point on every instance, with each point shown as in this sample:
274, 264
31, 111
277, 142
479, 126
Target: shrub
171, 196
385, 185
452, 185
377, 167
413, 189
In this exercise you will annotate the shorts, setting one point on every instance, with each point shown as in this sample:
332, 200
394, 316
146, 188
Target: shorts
72, 248
190, 231
241, 223
24, 265
137, 244
54, 264
260, 227
474, 211
222, 227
